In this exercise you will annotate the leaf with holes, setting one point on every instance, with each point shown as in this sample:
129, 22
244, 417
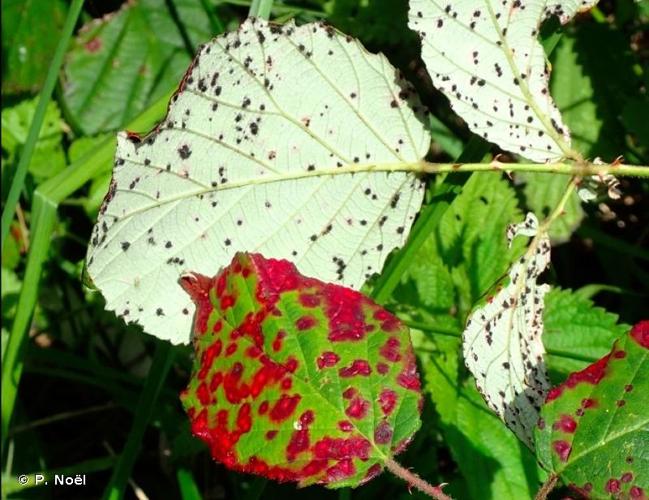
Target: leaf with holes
486, 58
253, 158
594, 428
502, 341
295, 379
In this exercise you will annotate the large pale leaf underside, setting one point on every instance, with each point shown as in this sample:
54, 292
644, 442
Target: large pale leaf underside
486, 58
252, 157
502, 341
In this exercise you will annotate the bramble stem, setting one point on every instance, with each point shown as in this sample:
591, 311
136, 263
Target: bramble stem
580, 170
415, 481
547, 487
561, 205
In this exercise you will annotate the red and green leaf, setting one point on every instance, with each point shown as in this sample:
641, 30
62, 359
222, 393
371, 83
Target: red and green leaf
594, 428
295, 379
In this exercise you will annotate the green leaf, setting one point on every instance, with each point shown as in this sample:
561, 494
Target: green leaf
542, 193
122, 63
100, 183
592, 77
576, 331
295, 379
487, 59
594, 427
467, 253
48, 158
30, 30
491, 459
502, 341
251, 158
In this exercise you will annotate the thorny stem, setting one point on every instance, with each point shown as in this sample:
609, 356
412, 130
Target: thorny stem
415, 481
584, 169
558, 210
547, 487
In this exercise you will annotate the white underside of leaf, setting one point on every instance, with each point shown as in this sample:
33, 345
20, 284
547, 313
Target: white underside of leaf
486, 58
247, 160
502, 341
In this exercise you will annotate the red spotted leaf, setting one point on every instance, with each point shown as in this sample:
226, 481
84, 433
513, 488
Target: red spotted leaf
594, 428
295, 379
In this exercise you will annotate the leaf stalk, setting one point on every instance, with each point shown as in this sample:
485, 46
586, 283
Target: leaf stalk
415, 481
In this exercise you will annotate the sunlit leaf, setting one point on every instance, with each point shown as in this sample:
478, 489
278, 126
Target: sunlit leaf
487, 59
576, 330
502, 341
251, 157
295, 379
594, 427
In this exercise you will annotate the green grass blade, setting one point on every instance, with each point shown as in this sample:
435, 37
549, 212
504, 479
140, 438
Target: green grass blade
260, 8
428, 218
155, 380
35, 127
215, 21
44, 213
187, 485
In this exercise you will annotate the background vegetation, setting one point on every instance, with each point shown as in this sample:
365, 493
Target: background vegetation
84, 371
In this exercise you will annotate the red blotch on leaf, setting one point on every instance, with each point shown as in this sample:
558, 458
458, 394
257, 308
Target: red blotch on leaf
342, 448
636, 492
349, 393
383, 433
327, 359
627, 477
612, 486
562, 448
343, 469
390, 349
93, 45
203, 394
358, 367
344, 309
244, 421
284, 407
566, 424
382, 368
592, 374
357, 408
345, 426
640, 333
305, 322
277, 343
387, 401
309, 300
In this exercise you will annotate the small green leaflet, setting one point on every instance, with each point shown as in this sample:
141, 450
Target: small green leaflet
255, 155
594, 428
502, 341
295, 379
486, 58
